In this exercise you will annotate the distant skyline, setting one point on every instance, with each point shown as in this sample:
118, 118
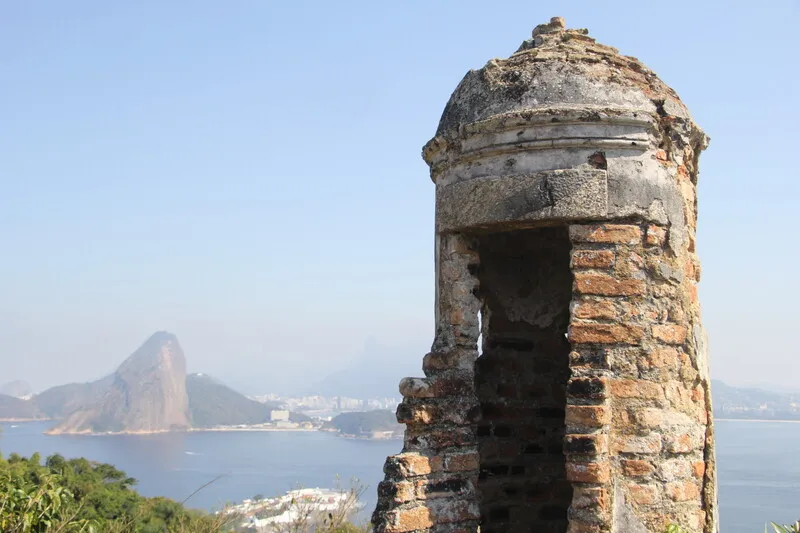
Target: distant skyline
248, 176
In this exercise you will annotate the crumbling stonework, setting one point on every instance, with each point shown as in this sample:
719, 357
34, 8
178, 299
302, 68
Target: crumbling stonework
565, 216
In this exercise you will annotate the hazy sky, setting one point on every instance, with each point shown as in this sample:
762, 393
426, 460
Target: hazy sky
247, 175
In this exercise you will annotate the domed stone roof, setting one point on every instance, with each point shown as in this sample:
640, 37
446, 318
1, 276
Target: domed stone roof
558, 67
565, 129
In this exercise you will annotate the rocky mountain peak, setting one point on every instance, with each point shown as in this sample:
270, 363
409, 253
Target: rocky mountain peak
147, 393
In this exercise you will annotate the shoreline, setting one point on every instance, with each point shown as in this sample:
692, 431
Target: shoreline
253, 428
782, 421
162, 431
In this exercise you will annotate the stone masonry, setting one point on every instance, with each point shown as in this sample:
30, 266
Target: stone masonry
567, 388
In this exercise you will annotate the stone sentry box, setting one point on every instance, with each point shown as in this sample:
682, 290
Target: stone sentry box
567, 388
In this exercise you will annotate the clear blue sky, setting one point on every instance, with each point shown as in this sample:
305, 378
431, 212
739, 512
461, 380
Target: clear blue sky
247, 175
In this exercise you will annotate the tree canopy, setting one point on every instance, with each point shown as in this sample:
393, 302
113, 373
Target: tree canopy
79, 495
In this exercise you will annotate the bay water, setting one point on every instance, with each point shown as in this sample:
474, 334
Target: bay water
758, 465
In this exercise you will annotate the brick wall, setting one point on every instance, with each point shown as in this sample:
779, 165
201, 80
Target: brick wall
544, 427
637, 399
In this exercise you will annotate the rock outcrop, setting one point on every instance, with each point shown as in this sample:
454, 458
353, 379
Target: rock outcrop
147, 394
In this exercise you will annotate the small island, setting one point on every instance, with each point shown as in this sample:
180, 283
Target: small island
377, 424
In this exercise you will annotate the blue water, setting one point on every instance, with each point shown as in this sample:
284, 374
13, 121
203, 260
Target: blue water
758, 465
258, 462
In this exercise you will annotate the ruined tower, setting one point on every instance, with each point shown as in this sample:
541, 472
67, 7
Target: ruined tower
567, 388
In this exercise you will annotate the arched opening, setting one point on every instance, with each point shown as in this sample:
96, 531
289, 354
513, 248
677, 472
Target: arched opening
520, 379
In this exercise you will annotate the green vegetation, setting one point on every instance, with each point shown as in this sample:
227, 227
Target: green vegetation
790, 528
213, 404
364, 423
77, 495
11, 408
58, 402
777, 528
80, 496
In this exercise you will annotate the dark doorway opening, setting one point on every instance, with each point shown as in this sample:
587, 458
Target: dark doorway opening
521, 377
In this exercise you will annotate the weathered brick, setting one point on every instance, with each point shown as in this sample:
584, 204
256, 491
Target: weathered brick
416, 414
607, 285
428, 489
649, 418
636, 388
399, 492
595, 309
461, 290
591, 498
643, 494
664, 357
697, 520
451, 359
636, 468
699, 469
681, 491
452, 385
593, 444
589, 333
590, 358
699, 395
588, 472
408, 464
672, 469
458, 244
692, 268
455, 437
587, 387
412, 519
675, 312
680, 443
462, 462
416, 388
669, 333
647, 444
656, 235
679, 396
702, 416
693, 297
583, 527
592, 259
606, 233
591, 416
454, 510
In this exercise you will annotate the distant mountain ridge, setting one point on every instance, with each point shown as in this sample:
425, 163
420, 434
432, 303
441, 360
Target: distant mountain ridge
752, 403
17, 389
145, 394
62, 400
213, 404
13, 408
376, 373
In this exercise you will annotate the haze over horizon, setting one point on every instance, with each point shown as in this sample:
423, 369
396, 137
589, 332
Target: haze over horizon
248, 177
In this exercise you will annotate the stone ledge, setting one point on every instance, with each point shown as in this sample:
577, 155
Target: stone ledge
557, 195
